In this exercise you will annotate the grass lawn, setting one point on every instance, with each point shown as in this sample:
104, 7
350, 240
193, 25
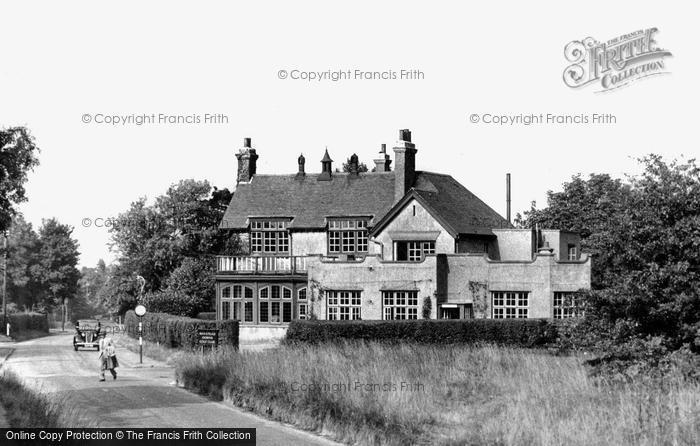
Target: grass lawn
410, 394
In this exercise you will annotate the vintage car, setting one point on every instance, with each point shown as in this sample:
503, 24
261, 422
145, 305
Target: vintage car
87, 334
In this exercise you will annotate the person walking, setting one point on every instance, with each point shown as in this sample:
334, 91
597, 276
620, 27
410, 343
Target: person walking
108, 358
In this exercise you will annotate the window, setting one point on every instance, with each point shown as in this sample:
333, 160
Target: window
413, 251
301, 294
248, 312
225, 310
286, 311
302, 311
400, 305
573, 252
344, 305
566, 305
510, 304
347, 236
269, 236
273, 310
226, 293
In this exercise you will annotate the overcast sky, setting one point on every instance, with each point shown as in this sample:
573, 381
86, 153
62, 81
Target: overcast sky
63, 60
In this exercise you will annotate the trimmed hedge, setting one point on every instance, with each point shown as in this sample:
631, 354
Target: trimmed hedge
23, 322
178, 331
207, 315
509, 332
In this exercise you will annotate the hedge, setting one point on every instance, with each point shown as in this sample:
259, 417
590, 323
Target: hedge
509, 332
22, 322
178, 331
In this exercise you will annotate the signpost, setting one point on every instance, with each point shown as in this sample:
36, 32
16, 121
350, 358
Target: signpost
140, 310
208, 337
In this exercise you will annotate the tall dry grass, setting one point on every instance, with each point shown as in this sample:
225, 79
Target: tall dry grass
26, 407
451, 395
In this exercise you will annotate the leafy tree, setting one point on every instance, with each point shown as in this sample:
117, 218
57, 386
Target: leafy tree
23, 287
646, 234
56, 268
91, 282
593, 208
154, 241
18, 155
194, 278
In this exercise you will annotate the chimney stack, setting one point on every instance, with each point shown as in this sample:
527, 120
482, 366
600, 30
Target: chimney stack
326, 168
405, 164
247, 160
508, 197
301, 173
382, 163
354, 167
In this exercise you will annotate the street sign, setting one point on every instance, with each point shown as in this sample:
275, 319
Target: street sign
208, 337
140, 310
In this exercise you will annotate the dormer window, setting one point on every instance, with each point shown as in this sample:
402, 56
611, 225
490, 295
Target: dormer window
269, 236
348, 236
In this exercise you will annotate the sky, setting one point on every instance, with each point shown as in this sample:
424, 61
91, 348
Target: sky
68, 67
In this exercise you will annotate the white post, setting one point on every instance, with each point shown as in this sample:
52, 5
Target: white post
8, 330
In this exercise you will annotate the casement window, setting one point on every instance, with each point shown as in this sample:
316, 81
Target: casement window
232, 301
270, 309
510, 304
413, 251
269, 237
400, 305
344, 305
347, 236
572, 252
302, 307
565, 305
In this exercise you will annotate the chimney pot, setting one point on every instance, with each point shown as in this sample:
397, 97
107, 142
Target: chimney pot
382, 163
405, 135
302, 161
354, 165
246, 142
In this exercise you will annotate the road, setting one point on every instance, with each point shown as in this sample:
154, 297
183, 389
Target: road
142, 395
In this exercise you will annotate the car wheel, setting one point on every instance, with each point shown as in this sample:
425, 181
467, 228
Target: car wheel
75, 347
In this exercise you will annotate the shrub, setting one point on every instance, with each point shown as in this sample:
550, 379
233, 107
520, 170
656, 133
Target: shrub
177, 331
25, 322
511, 332
176, 303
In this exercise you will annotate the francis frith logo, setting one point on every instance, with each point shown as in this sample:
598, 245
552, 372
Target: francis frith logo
615, 63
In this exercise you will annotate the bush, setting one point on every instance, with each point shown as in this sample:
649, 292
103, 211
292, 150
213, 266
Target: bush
25, 322
176, 303
177, 331
511, 332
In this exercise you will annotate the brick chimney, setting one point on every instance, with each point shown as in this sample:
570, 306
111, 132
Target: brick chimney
247, 159
405, 164
382, 163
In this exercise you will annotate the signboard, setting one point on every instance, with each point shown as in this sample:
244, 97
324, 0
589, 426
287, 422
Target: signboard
208, 337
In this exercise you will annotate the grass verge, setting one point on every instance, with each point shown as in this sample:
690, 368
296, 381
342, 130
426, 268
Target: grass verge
412, 394
25, 407
150, 349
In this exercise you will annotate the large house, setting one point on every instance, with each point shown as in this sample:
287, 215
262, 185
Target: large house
394, 243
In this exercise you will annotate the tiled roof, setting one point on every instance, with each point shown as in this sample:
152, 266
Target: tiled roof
460, 209
308, 201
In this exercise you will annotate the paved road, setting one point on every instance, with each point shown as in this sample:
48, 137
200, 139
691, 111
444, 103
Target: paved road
142, 396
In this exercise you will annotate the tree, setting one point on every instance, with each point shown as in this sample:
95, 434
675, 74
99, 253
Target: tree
646, 234
56, 269
91, 282
154, 241
18, 155
593, 208
23, 286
